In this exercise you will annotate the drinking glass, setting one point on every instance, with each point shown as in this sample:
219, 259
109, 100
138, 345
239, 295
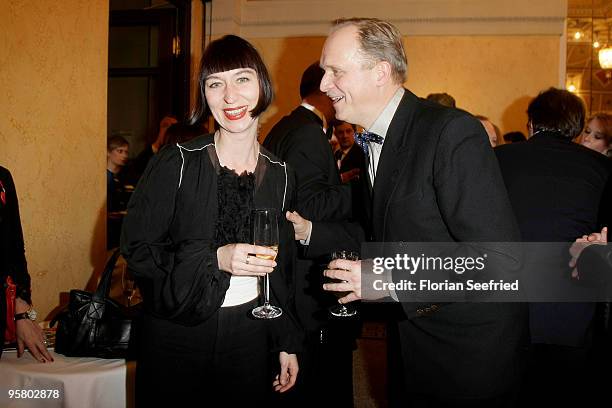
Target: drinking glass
343, 310
265, 233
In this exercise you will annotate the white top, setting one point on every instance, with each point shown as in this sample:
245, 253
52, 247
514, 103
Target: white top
242, 289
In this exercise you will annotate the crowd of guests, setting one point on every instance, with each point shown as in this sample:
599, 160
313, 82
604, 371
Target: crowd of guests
404, 169
596, 135
440, 354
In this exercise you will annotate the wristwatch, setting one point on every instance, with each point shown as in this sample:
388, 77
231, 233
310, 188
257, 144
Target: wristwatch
29, 314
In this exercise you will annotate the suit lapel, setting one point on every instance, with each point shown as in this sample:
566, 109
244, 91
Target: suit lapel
393, 156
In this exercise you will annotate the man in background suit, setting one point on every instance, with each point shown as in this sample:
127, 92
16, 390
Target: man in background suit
350, 156
300, 139
136, 167
555, 187
434, 178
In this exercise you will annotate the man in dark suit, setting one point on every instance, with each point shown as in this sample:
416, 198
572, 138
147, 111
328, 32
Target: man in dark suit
349, 155
555, 187
433, 178
299, 139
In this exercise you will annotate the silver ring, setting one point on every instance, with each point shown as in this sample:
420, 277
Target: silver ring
247, 259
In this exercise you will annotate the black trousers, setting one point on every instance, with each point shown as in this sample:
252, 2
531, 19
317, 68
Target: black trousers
326, 370
561, 375
223, 361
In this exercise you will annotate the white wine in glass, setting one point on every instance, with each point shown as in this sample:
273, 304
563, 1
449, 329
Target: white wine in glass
265, 233
269, 257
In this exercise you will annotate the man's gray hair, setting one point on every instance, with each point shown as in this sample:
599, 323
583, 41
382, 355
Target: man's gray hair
379, 41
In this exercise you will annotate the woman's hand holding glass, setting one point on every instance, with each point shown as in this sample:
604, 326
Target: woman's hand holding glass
246, 259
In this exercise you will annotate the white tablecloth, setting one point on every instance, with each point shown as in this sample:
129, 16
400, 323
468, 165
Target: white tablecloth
82, 382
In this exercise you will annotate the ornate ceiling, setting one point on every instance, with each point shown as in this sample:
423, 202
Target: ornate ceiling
588, 8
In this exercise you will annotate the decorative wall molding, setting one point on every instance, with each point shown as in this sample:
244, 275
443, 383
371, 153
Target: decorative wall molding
297, 18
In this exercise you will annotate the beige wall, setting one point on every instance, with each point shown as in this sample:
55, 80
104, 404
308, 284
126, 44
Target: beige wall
495, 76
53, 75
286, 67
491, 76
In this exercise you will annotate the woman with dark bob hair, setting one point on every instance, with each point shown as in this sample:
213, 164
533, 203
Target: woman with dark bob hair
187, 239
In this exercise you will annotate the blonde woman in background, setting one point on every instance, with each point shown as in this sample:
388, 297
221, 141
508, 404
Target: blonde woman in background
597, 135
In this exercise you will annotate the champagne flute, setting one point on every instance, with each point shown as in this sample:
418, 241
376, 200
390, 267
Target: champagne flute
341, 310
265, 233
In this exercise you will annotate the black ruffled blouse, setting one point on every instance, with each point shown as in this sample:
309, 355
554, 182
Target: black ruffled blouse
185, 207
235, 195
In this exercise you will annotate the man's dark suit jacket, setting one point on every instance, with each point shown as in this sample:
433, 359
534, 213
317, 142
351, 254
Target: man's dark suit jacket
555, 187
299, 140
438, 181
354, 159
597, 259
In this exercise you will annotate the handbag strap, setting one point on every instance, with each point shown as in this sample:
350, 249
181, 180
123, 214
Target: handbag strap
103, 288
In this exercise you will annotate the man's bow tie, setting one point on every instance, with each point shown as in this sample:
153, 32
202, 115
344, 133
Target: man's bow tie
362, 139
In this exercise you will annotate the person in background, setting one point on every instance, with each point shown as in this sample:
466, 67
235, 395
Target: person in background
13, 265
443, 99
139, 164
117, 152
187, 239
333, 143
300, 139
492, 130
181, 133
350, 156
514, 137
597, 134
556, 187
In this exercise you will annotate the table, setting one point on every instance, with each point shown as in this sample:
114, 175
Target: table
80, 382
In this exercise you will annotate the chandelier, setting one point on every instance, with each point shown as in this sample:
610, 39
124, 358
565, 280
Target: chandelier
605, 57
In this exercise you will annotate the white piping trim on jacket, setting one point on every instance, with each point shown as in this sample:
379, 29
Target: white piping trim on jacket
181, 148
284, 166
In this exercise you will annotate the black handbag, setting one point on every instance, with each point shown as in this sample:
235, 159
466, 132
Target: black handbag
93, 325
